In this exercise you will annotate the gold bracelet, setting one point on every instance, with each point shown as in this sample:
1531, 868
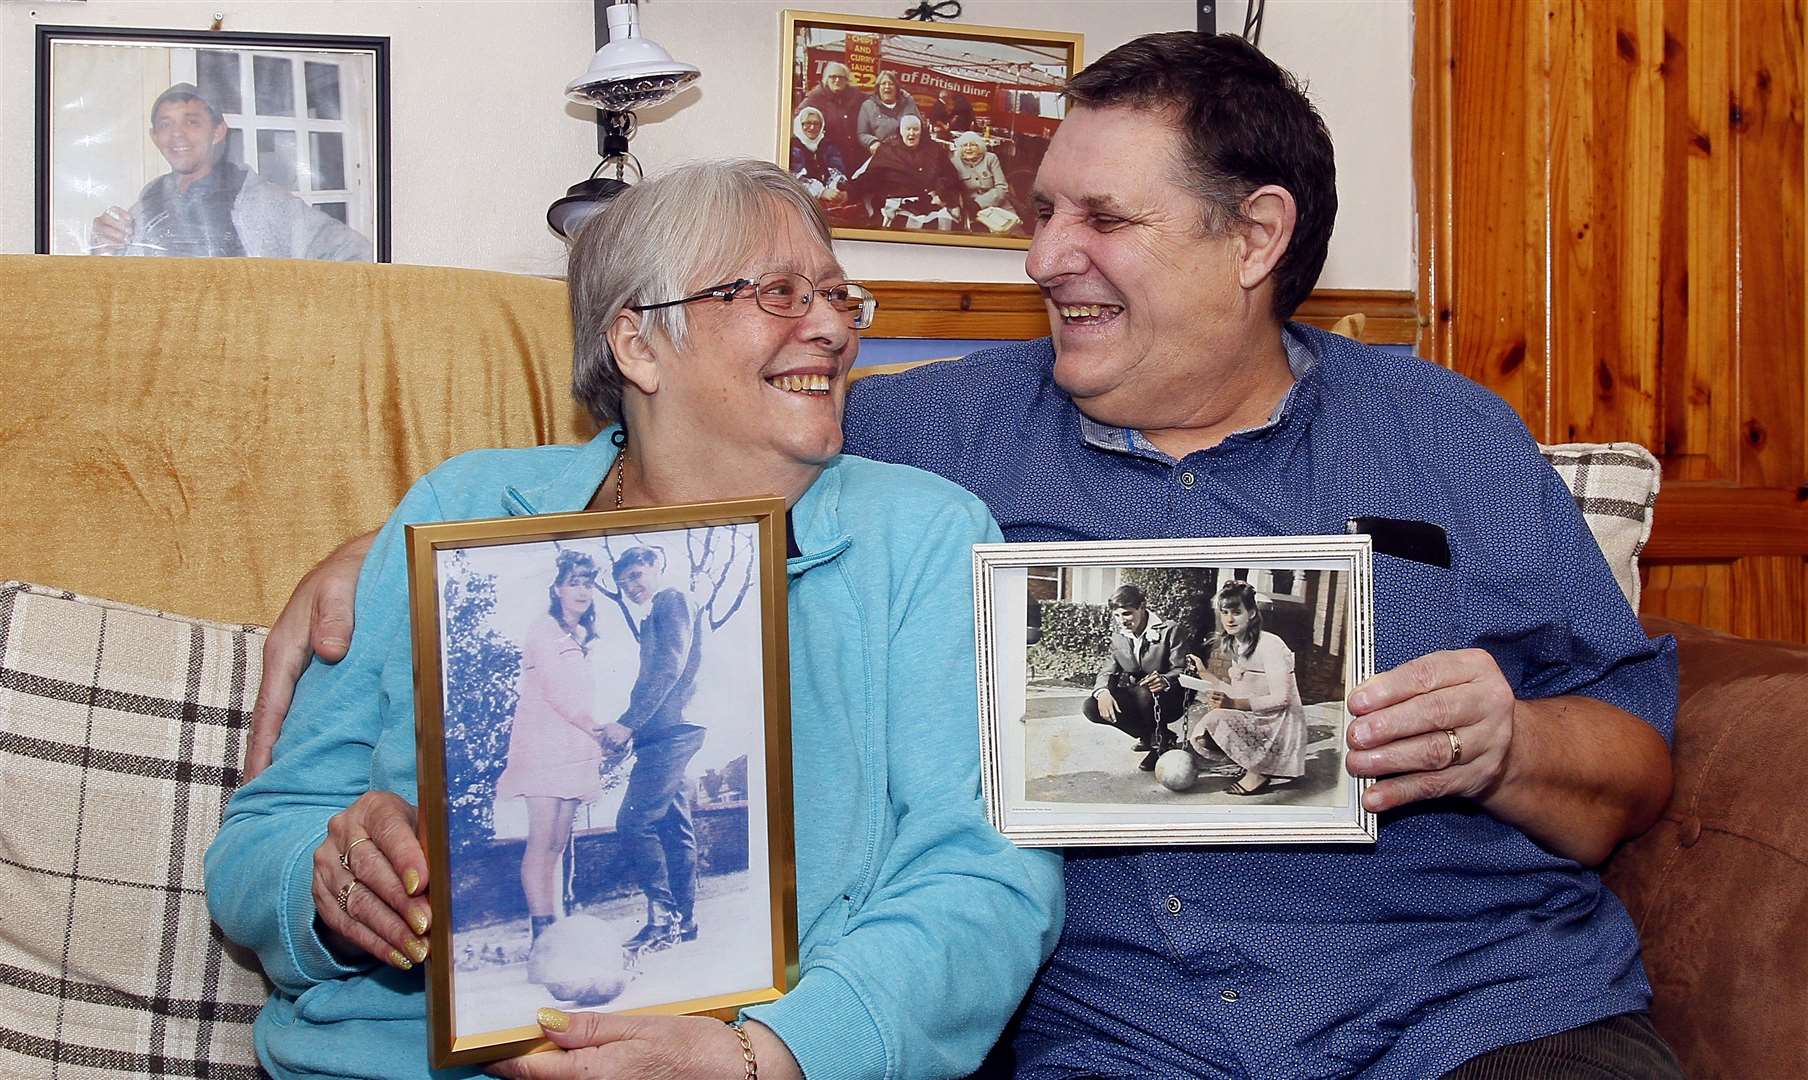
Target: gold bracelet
753, 1067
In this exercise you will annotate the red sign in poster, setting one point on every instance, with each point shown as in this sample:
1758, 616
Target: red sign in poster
863, 59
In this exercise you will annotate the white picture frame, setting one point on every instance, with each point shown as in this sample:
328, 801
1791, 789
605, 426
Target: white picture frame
1053, 778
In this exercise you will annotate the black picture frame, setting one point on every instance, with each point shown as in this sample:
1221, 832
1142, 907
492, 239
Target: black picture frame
337, 165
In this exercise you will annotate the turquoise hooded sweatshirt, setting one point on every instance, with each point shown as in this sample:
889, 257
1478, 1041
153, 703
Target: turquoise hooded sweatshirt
921, 927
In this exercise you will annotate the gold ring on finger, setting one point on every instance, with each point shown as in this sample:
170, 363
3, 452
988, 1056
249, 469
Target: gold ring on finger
1456, 747
345, 857
344, 895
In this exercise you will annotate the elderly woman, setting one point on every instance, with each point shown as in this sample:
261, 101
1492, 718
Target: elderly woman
979, 170
815, 161
721, 354
881, 113
911, 169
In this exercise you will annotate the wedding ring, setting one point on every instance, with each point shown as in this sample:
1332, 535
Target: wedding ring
1456, 748
345, 857
343, 896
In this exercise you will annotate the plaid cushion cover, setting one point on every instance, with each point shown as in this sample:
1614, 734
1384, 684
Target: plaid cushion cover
1615, 485
121, 737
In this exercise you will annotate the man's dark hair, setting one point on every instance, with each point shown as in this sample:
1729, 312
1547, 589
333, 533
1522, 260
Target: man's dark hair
1245, 123
181, 94
639, 555
1128, 596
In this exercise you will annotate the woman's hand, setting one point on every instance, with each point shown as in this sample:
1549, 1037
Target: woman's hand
370, 880
1195, 666
614, 737
601, 1046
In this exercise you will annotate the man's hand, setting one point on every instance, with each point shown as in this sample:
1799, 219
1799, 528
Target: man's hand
1155, 683
606, 1047
1107, 705
112, 232
614, 737
1576, 774
317, 621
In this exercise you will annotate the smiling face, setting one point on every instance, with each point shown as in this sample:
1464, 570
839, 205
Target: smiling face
812, 125
186, 135
638, 582
887, 87
971, 152
762, 390
1137, 290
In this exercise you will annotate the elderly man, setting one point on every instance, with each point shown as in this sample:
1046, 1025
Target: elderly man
1518, 727
208, 206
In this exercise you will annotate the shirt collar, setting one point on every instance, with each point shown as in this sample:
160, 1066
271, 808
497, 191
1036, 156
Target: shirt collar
1301, 358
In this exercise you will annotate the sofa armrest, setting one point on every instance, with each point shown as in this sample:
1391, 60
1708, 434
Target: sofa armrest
1719, 887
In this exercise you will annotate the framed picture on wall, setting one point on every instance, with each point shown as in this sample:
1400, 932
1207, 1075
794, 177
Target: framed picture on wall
1140, 692
603, 734
925, 133
212, 144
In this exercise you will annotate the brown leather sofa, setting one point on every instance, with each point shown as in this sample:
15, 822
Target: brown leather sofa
191, 436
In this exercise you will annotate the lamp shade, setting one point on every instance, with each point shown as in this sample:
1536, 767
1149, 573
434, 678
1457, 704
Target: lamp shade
630, 72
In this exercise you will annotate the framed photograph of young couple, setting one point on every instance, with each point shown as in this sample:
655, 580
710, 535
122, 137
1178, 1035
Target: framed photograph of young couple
212, 144
603, 722
1147, 692
927, 133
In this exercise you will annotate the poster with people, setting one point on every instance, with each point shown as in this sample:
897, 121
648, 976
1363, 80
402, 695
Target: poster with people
921, 132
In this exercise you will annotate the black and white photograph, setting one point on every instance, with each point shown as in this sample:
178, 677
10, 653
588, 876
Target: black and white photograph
1178, 691
212, 144
921, 132
603, 737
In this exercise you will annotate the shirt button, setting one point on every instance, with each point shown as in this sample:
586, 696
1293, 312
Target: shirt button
1229, 996
1186, 479
1173, 905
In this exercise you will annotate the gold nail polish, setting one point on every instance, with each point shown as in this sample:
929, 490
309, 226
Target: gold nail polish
417, 949
396, 958
553, 1020
417, 918
411, 881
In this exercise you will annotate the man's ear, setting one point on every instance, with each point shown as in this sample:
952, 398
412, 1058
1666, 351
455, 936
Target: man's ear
219, 133
630, 342
1267, 231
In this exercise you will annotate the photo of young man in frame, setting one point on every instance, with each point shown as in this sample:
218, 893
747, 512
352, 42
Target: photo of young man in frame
157, 147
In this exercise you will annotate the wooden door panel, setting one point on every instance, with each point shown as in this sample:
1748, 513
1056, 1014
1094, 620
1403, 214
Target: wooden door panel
1611, 204
1768, 107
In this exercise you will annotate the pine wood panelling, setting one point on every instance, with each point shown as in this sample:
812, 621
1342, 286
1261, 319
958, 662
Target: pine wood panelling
1768, 104
938, 309
1611, 237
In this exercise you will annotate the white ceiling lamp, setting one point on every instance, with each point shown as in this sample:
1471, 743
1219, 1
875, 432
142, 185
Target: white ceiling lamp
629, 72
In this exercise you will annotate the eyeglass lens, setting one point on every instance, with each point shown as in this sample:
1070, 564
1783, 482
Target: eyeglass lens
789, 295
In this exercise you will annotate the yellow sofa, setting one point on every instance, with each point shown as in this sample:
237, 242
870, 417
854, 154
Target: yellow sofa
191, 436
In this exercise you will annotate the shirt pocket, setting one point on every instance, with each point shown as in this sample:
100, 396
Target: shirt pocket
1419, 608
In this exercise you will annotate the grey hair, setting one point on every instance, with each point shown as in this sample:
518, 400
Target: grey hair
662, 239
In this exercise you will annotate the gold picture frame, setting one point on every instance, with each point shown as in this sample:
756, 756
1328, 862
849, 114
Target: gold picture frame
495, 600
1003, 85
1055, 773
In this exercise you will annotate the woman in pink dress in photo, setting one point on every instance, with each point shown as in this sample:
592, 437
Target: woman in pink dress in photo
554, 759
1257, 719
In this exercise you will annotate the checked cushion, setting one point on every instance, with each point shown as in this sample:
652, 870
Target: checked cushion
1615, 486
121, 735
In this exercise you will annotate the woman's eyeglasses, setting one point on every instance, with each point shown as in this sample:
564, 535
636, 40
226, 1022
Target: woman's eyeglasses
786, 295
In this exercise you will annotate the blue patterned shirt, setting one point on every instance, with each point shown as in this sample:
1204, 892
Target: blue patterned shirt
1455, 934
